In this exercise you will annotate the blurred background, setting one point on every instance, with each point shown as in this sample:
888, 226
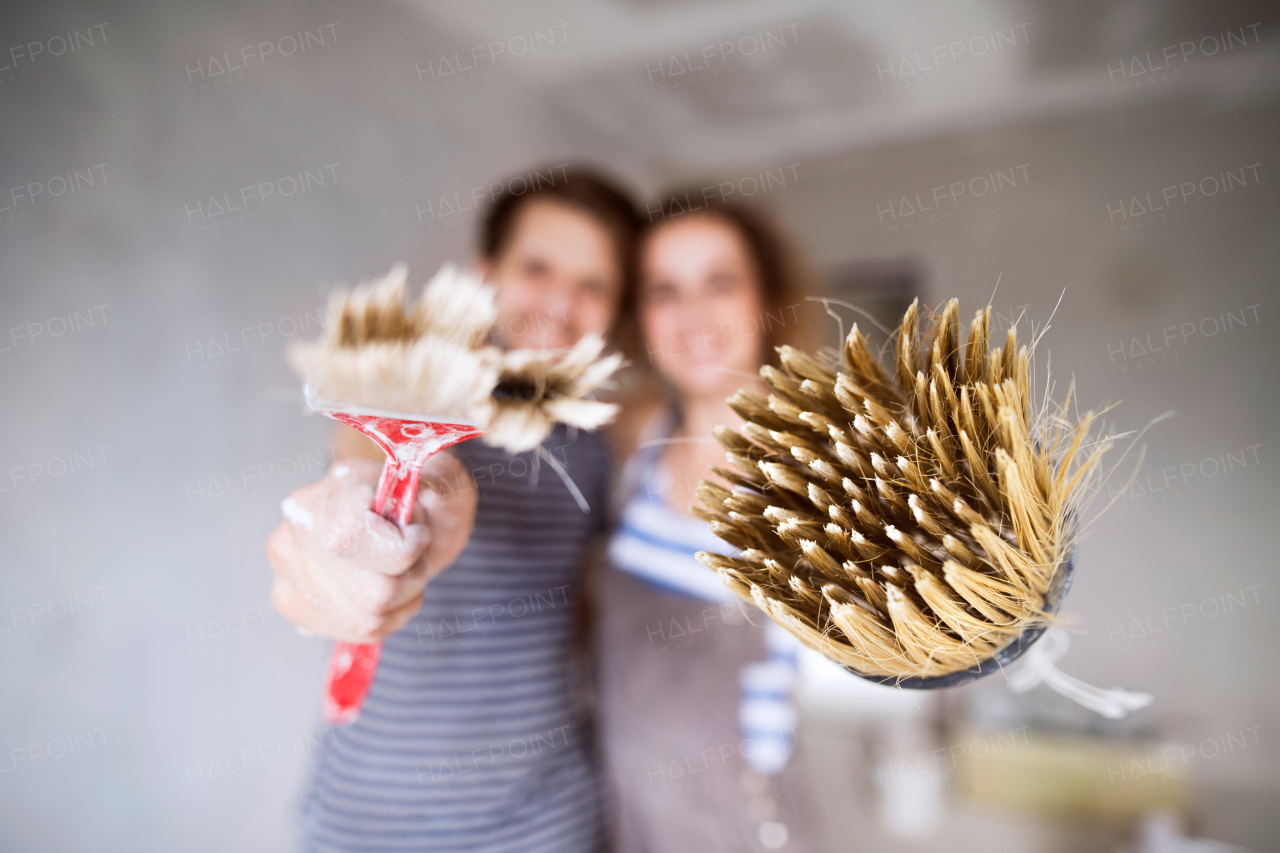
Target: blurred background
182, 183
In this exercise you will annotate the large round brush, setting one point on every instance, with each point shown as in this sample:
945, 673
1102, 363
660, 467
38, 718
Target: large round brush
909, 523
419, 379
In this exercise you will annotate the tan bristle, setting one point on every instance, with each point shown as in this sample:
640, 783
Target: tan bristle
871, 637
819, 497
975, 359
824, 562
788, 412
915, 480
875, 594
924, 518
952, 610
818, 465
960, 551
866, 549
820, 396
841, 540
852, 459
713, 494
866, 517
905, 521
802, 364
905, 543
906, 345
734, 580
804, 592
918, 634
946, 466
920, 401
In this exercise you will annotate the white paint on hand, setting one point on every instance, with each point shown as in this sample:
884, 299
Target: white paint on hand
383, 535
297, 513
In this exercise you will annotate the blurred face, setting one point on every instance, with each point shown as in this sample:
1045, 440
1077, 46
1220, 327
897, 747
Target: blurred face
557, 279
700, 306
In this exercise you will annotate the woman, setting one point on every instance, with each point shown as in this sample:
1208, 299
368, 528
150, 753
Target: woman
472, 736
695, 686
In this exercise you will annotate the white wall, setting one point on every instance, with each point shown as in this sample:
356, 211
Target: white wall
161, 563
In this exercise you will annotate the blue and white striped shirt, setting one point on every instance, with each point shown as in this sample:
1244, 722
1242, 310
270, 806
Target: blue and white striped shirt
654, 542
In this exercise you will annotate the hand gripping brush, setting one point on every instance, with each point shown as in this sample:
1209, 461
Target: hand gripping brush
419, 380
915, 525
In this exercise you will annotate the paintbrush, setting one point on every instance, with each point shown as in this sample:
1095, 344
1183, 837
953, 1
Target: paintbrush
417, 380
913, 523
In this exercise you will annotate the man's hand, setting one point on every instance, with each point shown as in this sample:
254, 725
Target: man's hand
343, 571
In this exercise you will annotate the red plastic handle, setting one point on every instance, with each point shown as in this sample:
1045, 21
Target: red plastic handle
352, 667
408, 445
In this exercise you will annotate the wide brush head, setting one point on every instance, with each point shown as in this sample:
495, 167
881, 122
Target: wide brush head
424, 360
431, 360
906, 523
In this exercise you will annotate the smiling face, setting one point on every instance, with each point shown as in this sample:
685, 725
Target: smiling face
558, 278
700, 306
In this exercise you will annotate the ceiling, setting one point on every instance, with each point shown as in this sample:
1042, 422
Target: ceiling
695, 87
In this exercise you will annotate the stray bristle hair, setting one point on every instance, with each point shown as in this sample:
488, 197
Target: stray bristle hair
926, 501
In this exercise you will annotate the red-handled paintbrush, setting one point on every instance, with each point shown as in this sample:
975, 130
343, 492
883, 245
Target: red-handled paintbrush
408, 442
418, 381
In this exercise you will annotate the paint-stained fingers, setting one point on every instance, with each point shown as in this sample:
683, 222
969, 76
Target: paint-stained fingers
377, 622
345, 572
334, 597
397, 619
303, 506
284, 552
408, 587
355, 469
370, 596
371, 543
294, 604
351, 531
296, 592
288, 601
353, 626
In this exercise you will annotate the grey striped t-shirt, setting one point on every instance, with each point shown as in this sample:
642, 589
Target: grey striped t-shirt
471, 737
